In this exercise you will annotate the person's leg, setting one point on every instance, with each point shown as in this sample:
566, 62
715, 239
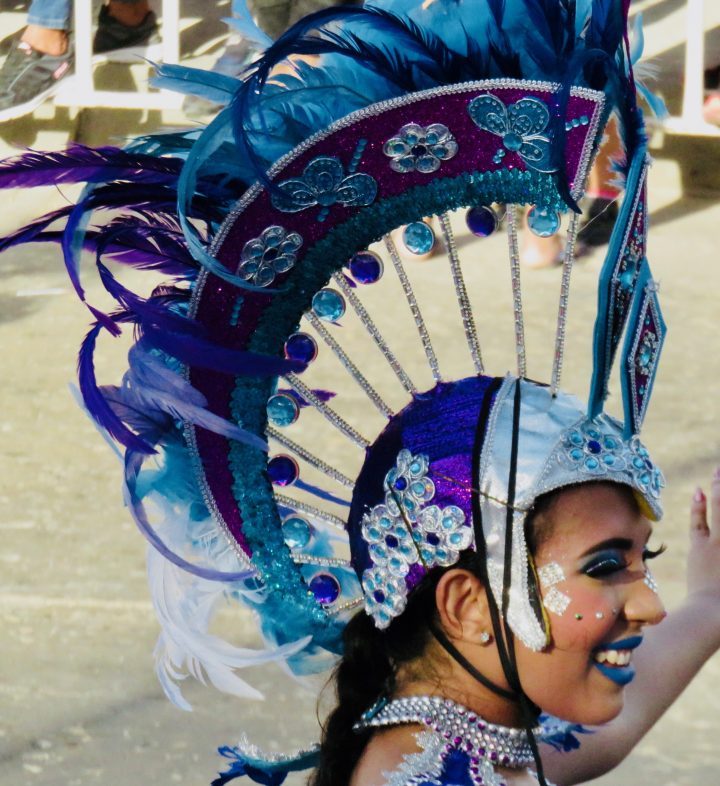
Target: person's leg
130, 13
47, 24
124, 24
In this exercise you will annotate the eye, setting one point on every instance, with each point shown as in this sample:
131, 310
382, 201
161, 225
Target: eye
652, 553
604, 564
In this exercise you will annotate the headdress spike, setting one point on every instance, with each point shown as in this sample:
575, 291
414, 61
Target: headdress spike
516, 290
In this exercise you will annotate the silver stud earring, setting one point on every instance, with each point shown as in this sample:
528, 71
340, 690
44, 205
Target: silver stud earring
599, 615
484, 637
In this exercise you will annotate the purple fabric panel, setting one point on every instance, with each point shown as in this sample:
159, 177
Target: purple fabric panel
440, 424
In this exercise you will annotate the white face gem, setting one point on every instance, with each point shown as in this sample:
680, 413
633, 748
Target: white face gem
553, 600
650, 582
599, 615
556, 601
550, 574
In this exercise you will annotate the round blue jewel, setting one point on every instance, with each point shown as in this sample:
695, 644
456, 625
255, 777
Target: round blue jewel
638, 463
626, 280
418, 238
591, 463
282, 410
325, 587
608, 459
328, 305
576, 438
610, 443
392, 541
301, 347
432, 539
576, 454
296, 532
482, 221
283, 470
645, 356
513, 142
366, 267
594, 446
401, 484
542, 221
379, 596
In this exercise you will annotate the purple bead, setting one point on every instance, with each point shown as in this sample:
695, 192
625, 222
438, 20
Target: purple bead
505, 761
481, 221
301, 347
366, 267
481, 751
325, 587
457, 740
282, 470
493, 756
475, 760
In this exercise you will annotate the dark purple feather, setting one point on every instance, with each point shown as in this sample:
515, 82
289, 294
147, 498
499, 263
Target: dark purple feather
80, 164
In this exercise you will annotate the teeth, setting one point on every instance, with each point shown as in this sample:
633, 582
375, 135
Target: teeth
614, 657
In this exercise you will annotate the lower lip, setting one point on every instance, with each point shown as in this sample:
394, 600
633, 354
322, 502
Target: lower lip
620, 675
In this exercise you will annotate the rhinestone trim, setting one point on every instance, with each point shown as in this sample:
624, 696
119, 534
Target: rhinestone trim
461, 293
414, 308
461, 728
348, 364
310, 510
308, 457
372, 329
568, 261
512, 231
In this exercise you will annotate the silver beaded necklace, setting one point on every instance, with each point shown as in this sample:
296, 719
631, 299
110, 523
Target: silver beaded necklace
462, 730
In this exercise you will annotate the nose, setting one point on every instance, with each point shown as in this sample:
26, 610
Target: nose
643, 604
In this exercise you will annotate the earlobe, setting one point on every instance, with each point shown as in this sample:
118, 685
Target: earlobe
462, 606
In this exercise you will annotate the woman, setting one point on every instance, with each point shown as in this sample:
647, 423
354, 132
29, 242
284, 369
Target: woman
495, 531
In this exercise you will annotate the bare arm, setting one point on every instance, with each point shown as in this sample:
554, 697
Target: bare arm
671, 655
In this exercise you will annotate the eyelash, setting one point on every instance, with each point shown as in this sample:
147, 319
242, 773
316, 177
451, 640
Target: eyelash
605, 565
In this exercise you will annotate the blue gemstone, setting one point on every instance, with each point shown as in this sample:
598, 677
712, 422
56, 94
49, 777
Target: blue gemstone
301, 347
401, 484
576, 438
594, 446
379, 596
513, 142
576, 454
392, 541
432, 539
610, 443
325, 587
328, 305
591, 463
296, 532
645, 356
366, 267
482, 221
282, 410
542, 221
418, 238
282, 470
609, 459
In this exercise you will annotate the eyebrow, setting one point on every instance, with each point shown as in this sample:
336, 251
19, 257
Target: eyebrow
622, 544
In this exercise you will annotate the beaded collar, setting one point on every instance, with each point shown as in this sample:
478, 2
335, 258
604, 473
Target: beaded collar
460, 729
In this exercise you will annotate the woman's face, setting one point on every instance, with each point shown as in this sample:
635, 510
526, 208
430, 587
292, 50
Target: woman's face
593, 571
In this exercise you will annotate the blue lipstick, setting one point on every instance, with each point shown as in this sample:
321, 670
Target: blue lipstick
620, 675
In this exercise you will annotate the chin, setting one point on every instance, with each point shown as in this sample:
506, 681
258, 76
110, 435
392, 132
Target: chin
593, 710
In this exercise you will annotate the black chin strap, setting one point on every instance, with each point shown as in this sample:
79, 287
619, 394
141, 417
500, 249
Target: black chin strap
504, 636
455, 653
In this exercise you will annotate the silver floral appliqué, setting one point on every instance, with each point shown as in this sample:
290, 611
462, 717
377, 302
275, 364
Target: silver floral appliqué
417, 148
264, 257
405, 531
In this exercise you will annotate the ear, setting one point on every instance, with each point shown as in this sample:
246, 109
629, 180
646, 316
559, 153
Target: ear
462, 605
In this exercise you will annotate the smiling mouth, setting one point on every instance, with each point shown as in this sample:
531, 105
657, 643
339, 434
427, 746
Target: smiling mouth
613, 657
613, 660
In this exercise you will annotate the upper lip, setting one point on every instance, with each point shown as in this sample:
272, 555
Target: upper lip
630, 643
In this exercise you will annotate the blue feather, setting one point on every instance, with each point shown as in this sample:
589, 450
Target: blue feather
243, 23
215, 87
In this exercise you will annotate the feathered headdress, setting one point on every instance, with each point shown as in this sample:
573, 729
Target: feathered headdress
377, 118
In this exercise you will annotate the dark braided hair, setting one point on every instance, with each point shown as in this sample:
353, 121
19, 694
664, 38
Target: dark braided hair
367, 671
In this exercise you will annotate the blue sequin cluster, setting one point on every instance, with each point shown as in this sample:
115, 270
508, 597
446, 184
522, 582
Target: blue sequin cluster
596, 453
405, 531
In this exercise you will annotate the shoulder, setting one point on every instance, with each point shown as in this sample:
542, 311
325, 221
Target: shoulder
396, 757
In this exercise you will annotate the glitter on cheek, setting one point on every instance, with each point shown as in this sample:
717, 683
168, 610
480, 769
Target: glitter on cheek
580, 628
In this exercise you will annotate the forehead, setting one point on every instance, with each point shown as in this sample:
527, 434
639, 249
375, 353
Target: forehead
591, 513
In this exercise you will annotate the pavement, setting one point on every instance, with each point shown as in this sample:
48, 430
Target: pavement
79, 703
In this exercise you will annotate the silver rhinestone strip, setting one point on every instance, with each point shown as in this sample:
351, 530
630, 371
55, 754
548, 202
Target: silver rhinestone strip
321, 562
516, 290
414, 308
498, 744
326, 411
461, 293
349, 366
561, 330
310, 510
308, 457
350, 604
377, 336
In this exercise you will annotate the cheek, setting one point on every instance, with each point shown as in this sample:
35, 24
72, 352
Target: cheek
587, 621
